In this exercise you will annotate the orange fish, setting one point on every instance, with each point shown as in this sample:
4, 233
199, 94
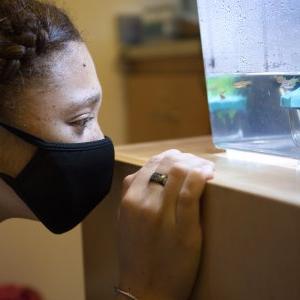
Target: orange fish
242, 84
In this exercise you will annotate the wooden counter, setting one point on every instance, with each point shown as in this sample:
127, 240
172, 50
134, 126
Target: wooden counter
251, 227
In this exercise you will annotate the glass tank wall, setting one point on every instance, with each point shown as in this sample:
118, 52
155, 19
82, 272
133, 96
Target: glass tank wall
251, 52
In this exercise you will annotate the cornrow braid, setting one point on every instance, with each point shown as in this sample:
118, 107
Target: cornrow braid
29, 29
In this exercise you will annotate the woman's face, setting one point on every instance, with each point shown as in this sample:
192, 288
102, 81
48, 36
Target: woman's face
65, 109
62, 108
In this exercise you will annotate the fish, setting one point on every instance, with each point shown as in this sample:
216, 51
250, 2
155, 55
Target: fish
289, 84
222, 96
242, 84
279, 78
286, 84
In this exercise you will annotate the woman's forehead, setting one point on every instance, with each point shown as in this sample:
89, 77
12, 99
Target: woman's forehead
72, 86
73, 78
74, 67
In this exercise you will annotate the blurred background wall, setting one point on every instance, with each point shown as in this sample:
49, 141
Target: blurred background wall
97, 22
152, 90
33, 257
123, 52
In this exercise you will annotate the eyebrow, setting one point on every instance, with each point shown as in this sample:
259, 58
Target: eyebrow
86, 102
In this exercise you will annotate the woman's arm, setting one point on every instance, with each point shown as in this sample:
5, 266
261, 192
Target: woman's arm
159, 228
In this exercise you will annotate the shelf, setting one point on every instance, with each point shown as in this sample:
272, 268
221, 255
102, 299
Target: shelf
252, 177
162, 49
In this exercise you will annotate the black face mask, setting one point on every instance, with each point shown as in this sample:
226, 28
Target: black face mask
63, 183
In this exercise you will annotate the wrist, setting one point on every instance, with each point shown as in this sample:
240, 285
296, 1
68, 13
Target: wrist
122, 294
139, 291
122, 297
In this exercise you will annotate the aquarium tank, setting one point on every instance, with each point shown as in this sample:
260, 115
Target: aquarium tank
251, 51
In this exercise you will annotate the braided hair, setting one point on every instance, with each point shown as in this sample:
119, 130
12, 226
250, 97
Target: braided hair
30, 31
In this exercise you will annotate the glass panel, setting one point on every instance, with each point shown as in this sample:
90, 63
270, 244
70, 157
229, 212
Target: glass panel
251, 54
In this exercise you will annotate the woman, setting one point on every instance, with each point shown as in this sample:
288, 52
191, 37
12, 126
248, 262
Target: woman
56, 165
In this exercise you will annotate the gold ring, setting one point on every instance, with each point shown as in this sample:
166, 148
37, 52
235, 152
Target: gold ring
159, 178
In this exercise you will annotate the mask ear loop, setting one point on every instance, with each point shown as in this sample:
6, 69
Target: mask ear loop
23, 135
42, 144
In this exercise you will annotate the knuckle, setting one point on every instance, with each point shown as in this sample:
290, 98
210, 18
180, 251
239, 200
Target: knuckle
172, 152
191, 156
197, 175
178, 170
146, 210
155, 159
170, 159
127, 201
130, 199
131, 207
166, 161
127, 180
209, 163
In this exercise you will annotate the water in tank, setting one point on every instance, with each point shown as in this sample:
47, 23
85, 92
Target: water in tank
251, 51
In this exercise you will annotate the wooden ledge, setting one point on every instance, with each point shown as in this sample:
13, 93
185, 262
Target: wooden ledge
256, 178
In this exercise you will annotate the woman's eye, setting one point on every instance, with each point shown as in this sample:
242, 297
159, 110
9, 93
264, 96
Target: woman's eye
82, 122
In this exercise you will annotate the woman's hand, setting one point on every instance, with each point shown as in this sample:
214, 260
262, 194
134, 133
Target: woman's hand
159, 227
